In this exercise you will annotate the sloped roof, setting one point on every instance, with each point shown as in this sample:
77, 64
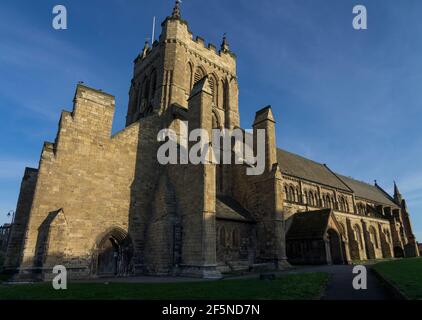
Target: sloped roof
309, 225
297, 166
367, 191
294, 165
229, 209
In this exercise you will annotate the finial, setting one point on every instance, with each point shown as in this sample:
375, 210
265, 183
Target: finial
145, 49
396, 190
397, 195
225, 44
176, 10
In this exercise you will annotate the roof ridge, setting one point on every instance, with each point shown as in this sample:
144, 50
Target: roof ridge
310, 170
338, 175
354, 179
374, 188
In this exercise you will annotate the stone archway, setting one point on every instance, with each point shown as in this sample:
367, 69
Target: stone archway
335, 245
114, 253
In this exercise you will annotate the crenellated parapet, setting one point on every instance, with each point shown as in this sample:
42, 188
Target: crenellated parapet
165, 73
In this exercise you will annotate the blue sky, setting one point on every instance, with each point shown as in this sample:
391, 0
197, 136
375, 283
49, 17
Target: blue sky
351, 99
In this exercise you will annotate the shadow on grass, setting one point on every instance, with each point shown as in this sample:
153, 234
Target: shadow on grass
287, 287
405, 274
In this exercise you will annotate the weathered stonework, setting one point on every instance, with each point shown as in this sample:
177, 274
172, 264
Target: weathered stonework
101, 204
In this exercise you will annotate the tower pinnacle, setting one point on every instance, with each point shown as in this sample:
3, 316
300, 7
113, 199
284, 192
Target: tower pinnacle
176, 10
225, 45
397, 195
145, 50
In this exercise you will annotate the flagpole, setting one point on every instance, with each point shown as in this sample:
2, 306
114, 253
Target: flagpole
153, 31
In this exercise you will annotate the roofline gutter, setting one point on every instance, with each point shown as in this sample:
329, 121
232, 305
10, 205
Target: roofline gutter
316, 182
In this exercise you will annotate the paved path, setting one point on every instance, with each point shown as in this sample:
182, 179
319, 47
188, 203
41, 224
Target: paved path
340, 284
143, 279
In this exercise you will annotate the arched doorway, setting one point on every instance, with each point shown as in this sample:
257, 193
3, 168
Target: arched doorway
114, 253
398, 252
335, 247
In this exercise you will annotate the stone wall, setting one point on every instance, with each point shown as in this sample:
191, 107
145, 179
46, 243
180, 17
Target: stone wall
23, 208
83, 186
236, 241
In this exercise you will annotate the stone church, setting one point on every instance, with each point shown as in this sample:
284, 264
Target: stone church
101, 204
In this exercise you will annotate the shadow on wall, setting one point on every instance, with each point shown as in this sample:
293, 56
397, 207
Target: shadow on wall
45, 236
155, 219
111, 256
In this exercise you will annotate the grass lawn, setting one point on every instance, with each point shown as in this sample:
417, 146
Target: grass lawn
297, 286
405, 273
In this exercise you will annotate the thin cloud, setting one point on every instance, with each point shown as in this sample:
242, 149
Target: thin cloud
26, 50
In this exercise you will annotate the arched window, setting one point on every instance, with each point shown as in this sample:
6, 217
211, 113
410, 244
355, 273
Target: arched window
343, 206
311, 199
235, 238
373, 236
223, 237
358, 235
189, 76
199, 74
292, 193
225, 96
298, 197
328, 201
347, 206
215, 122
144, 101
333, 202
361, 208
318, 201
214, 88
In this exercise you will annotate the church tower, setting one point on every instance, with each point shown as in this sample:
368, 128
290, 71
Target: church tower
178, 79
409, 239
165, 73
